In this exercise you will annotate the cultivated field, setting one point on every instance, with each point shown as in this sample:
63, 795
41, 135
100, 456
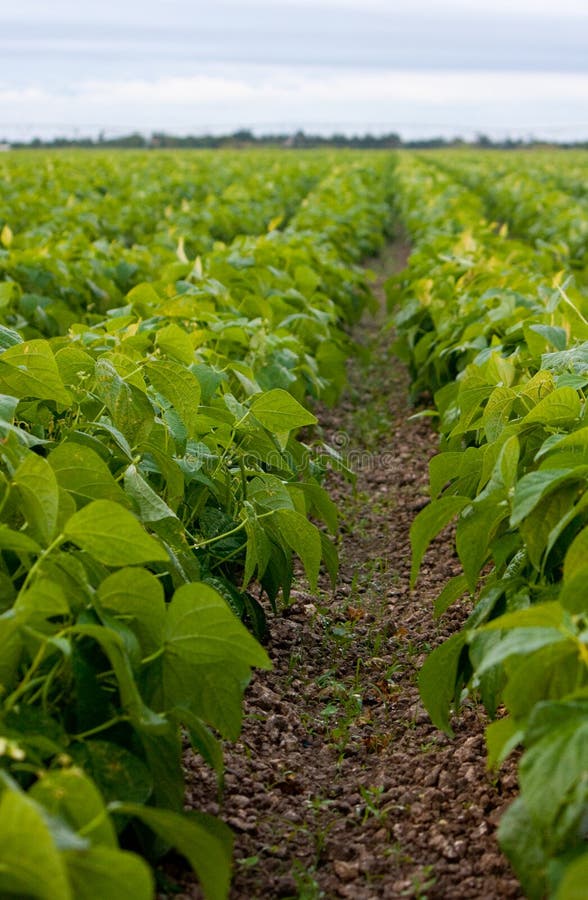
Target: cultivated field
177, 330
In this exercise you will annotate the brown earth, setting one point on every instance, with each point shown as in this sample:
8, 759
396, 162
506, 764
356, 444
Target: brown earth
340, 786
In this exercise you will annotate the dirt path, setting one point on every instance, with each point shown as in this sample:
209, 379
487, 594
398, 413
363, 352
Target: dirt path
340, 786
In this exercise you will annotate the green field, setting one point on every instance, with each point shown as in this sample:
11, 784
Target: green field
168, 322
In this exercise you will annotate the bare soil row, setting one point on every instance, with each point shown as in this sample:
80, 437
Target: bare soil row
340, 786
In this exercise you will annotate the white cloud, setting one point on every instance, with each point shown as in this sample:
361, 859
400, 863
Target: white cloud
284, 97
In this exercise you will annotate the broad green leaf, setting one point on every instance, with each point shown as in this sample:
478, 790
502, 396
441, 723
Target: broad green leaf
136, 596
573, 884
269, 492
29, 370
279, 412
205, 842
84, 474
112, 535
176, 342
37, 486
133, 703
17, 541
150, 505
207, 658
476, 529
109, 873
560, 407
455, 588
577, 555
201, 627
12, 648
573, 595
118, 773
522, 843
552, 672
30, 863
8, 337
541, 528
303, 538
74, 365
438, 680
557, 337
427, 525
163, 755
317, 502
535, 485
42, 600
70, 794
180, 387
502, 736
557, 757
131, 412
520, 641
258, 550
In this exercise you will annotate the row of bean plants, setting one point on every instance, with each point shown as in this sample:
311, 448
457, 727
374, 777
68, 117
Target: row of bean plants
536, 207
499, 334
151, 477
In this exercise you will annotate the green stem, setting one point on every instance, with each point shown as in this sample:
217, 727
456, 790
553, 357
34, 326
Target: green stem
103, 727
225, 534
39, 561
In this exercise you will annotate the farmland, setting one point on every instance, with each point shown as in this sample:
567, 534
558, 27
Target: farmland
178, 434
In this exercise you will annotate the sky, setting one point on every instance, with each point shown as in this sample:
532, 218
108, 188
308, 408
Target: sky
417, 67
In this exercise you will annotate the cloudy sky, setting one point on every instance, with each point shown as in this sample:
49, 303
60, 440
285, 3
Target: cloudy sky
420, 67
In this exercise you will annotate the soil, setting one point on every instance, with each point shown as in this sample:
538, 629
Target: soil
340, 786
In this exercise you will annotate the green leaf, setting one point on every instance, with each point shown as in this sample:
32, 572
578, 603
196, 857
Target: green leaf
279, 412
560, 407
118, 773
556, 759
37, 486
29, 370
552, 672
521, 841
17, 541
502, 737
205, 842
71, 795
174, 341
573, 595
132, 413
112, 645
535, 485
180, 387
557, 337
304, 539
577, 555
207, 658
317, 501
112, 535
136, 596
476, 530
84, 474
105, 872
573, 884
519, 642
455, 588
30, 863
438, 679
427, 525
42, 600
150, 505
